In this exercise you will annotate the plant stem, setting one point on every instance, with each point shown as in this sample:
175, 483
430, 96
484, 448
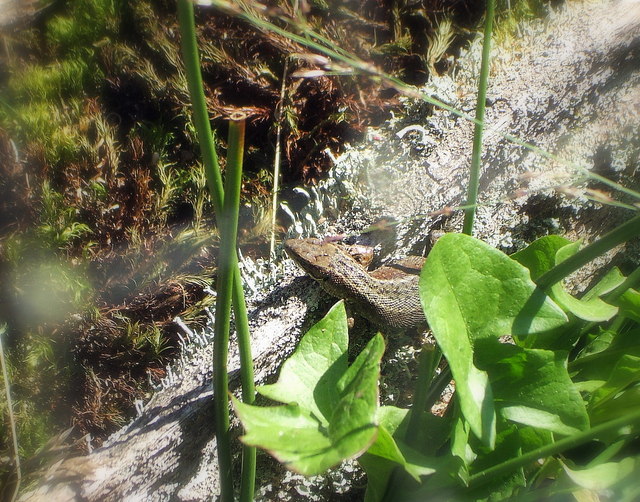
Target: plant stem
437, 387
276, 160
476, 157
231, 209
196, 91
248, 478
217, 192
427, 363
552, 449
12, 421
628, 283
617, 236
227, 265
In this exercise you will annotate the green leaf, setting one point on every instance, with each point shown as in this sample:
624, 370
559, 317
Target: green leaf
594, 310
389, 447
598, 342
330, 415
598, 366
543, 254
629, 303
603, 476
292, 436
540, 256
501, 487
471, 291
627, 401
625, 372
358, 392
388, 452
589, 308
533, 387
310, 376
612, 279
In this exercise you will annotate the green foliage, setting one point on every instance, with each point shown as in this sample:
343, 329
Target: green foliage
515, 402
61, 80
47, 285
547, 252
330, 407
44, 101
88, 23
48, 125
147, 339
57, 226
459, 270
510, 14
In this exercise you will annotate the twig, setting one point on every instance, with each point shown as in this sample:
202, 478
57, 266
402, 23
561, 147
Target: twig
276, 160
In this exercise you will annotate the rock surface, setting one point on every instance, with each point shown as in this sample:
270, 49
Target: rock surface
569, 84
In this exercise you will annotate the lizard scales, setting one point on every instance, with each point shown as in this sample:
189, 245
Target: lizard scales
387, 296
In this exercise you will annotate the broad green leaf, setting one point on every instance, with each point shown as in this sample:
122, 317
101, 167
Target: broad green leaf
543, 254
295, 438
627, 401
533, 387
625, 372
502, 487
540, 256
299, 434
358, 392
310, 376
629, 303
471, 291
612, 279
387, 453
588, 308
602, 476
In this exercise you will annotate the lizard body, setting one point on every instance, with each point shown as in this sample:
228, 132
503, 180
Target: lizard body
388, 296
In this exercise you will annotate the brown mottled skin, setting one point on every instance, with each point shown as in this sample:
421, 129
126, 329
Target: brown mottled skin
387, 296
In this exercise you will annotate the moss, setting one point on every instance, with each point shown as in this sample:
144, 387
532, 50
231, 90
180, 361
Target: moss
56, 82
87, 23
44, 125
508, 19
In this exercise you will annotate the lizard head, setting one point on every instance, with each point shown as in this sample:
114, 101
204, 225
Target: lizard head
322, 260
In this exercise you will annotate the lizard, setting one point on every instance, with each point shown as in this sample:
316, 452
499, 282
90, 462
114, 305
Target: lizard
387, 296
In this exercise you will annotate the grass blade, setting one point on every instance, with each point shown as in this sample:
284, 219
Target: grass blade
476, 156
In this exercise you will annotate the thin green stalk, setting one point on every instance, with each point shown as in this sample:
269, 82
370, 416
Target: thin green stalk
476, 156
248, 476
12, 421
630, 282
427, 364
437, 387
511, 465
199, 105
617, 236
611, 297
216, 189
233, 183
227, 265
